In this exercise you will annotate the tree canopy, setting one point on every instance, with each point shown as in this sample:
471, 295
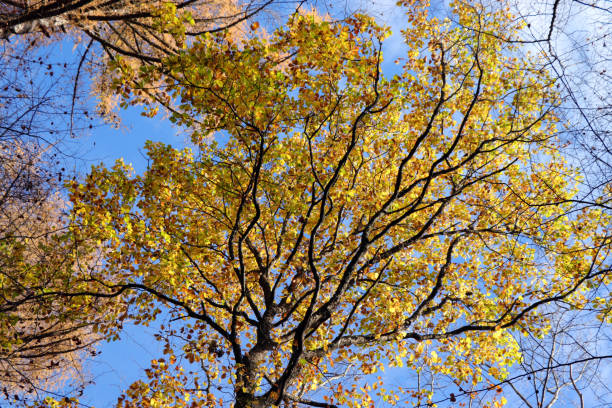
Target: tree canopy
329, 221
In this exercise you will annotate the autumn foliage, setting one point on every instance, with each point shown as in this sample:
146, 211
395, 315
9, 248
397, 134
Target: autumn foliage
330, 222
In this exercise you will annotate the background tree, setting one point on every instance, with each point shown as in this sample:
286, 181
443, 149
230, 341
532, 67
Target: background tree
573, 38
138, 32
564, 366
42, 341
347, 221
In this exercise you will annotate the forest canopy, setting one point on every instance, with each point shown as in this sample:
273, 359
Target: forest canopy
329, 221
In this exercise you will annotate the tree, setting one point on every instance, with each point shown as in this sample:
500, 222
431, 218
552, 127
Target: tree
331, 222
